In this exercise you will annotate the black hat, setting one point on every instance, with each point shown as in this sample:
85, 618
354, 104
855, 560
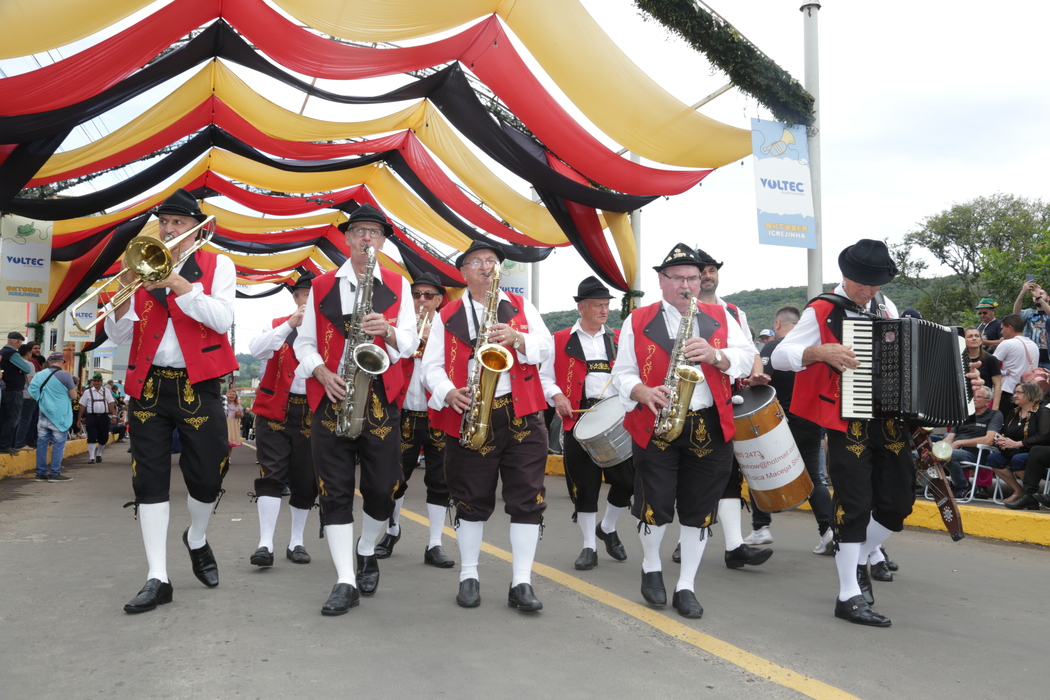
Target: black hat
305, 281
481, 245
867, 262
682, 254
15, 335
911, 313
431, 279
592, 288
181, 203
366, 212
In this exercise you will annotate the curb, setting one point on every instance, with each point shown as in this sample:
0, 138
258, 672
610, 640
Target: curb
13, 465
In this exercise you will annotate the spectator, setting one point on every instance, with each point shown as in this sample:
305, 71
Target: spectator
15, 369
980, 429
247, 423
1016, 354
1035, 319
53, 389
35, 358
1027, 426
119, 429
911, 313
990, 327
989, 370
75, 431
25, 433
234, 413
765, 335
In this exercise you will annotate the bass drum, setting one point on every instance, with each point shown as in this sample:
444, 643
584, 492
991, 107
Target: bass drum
601, 432
766, 451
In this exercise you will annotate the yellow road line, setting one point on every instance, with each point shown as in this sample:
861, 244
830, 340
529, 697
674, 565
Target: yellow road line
716, 647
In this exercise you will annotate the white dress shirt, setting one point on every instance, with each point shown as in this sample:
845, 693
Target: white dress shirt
416, 395
538, 347
593, 349
405, 331
739, 351
1016, 356
262, 347
96, 400
214, 310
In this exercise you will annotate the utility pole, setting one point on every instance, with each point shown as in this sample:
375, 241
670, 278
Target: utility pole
814, 256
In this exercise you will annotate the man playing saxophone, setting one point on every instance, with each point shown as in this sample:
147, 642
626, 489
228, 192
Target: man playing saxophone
513, 448
333, 311
685, 461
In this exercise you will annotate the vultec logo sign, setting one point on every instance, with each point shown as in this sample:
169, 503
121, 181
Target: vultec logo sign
25, 259
783, 185
21, 260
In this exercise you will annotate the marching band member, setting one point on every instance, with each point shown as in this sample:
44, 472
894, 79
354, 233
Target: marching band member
97, 410
282, 432
515, 450
320, 347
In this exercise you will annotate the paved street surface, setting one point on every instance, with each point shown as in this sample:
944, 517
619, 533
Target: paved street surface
969, 618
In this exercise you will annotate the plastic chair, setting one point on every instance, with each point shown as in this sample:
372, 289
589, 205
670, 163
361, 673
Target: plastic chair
982, 456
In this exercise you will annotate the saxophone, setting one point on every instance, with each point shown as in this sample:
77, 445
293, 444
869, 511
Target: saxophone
682, 377
490, 361
362, 359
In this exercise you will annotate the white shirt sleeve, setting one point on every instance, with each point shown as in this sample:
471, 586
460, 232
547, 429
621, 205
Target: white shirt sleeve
263, 346
787, 356
435, 377
405, 330
538, 344
549, 382
625, 371
305, 345
214, 310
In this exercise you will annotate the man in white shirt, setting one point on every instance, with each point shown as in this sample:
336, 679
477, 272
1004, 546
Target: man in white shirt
1017, 354
97, 411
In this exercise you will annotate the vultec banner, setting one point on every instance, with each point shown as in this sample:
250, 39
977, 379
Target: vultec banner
25, 259
86, 314
782, 184
515, 278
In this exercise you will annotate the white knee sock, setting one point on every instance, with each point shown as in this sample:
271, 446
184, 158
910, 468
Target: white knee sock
91, 453
612, 514
153, 519
586, 522
846, 563
692, 552
200, 514
469, 535
877, 534
370, 529
298, 525
523, 541
729, 516
395, 520
341, 545
98, 449
269, 509
651, 547
436, 514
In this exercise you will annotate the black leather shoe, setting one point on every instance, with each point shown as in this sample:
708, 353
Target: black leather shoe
1025, 502
857, 611
612, 543
744, 554
298, 554
587, 560
865, 584
687, 605
367, 573
386, 545
469, 593
343, 597
154, 593
890, 564
1044, 500
522, 598
676, 555
262, 557
203, 560
653, 588
881, 572
435, 556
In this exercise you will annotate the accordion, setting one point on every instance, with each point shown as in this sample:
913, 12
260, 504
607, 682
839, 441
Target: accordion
909, 369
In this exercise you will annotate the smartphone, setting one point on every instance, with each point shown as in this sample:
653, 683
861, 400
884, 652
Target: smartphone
1029, 278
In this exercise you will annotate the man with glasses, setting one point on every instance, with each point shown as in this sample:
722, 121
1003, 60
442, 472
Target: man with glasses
320, 347
990, 327
515, 451
1036, 320
416, 434
689, 473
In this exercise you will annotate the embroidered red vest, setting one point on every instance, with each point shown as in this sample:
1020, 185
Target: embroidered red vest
818, 388
526, 389
271, 401
208, 354
331, 340
652, 368
571, 372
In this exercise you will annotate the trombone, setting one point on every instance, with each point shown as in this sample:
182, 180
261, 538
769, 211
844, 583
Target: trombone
151, 260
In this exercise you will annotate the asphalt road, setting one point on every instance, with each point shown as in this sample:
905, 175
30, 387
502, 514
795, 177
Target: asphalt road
968, 617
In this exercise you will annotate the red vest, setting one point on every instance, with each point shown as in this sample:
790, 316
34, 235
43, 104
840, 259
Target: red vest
331, 341
524, 379
207, 354
271, 401
653, 369
818, 392
570, 372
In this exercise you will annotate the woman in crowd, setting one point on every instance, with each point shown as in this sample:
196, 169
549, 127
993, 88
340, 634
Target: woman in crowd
233, 419
1027, 426
989, 369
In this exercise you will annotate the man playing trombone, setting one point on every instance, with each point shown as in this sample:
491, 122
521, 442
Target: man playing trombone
179, 351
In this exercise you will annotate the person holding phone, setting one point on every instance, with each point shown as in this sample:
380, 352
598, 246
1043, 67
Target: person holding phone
1037, 319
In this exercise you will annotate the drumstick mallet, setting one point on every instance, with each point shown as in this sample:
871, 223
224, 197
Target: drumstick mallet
600, 395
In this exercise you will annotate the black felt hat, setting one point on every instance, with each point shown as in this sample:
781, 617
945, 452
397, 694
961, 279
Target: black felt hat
592, 288
682, 254
480, 245
429, 278
867, 262
366, 212
180, 203
305, 281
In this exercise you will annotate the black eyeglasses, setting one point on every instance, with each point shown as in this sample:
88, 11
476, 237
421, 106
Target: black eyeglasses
426, 295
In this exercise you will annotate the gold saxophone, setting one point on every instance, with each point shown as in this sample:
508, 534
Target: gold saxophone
490, 361
682, 377
362, 359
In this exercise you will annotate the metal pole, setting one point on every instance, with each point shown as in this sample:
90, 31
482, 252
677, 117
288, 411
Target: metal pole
636, 227
814, 256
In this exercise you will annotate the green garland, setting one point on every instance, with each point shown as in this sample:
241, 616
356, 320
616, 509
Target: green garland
747, 67
626, 304
38, 332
